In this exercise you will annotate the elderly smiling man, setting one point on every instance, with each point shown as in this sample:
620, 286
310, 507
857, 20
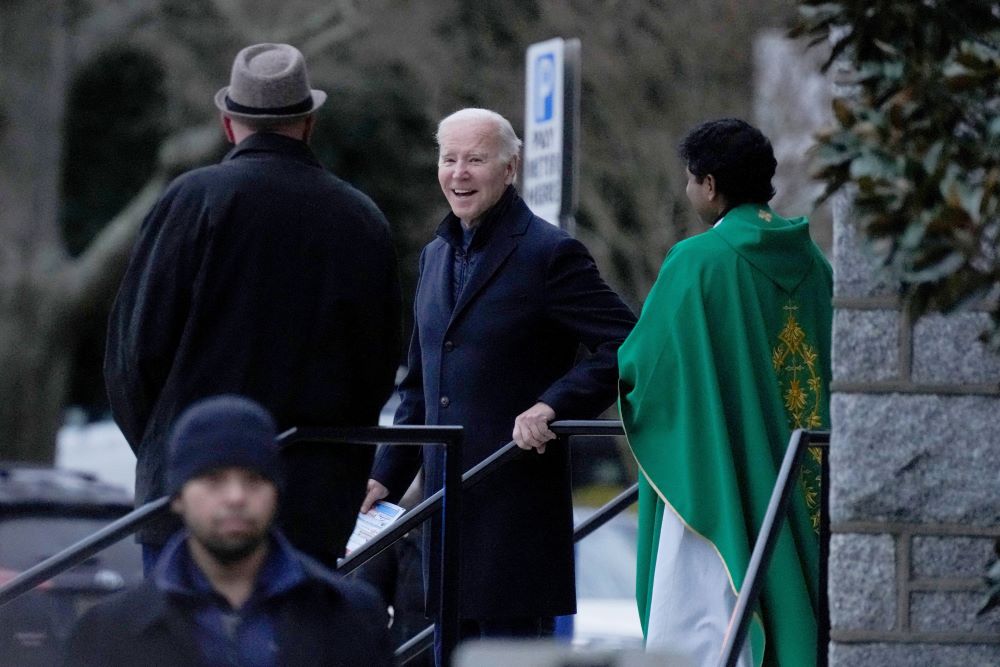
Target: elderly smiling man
503, 303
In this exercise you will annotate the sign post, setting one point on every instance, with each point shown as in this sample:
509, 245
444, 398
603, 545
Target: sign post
551, 130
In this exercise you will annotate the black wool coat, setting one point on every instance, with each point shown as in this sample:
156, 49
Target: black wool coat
325, 622
534, 296
266, 276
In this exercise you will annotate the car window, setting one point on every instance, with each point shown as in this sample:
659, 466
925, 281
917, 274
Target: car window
27, 540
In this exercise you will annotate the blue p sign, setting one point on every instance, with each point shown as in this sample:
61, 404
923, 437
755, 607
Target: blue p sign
545, 87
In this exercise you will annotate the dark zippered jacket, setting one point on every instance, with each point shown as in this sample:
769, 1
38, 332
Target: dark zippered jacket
322, 621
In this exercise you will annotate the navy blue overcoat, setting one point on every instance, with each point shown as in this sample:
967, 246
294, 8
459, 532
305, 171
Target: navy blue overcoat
511, 339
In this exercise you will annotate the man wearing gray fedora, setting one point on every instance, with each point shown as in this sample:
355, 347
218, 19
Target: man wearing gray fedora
267, 276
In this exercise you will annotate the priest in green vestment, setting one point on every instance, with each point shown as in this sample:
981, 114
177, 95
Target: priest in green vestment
731, 353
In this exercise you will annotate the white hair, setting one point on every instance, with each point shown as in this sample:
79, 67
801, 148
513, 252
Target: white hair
510, 145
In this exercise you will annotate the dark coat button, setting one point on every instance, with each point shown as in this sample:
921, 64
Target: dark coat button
445, 402
448, 346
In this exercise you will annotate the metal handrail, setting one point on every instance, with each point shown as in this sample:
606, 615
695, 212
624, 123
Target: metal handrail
425, 509
82, 550
424, 639
139, 517
415, 645
606, 512
449, 502
420, 512
760, 557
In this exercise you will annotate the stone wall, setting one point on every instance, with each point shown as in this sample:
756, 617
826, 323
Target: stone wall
915, 451
915, 475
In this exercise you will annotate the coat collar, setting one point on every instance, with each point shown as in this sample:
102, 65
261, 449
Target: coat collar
774, 245
268, 142
450, 228
177, 574
155, 607
503, 234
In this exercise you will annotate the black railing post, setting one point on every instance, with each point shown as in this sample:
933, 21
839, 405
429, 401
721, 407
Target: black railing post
424, 510
451, 594
823, 598
450, 503
424, 639
760, 558
448, 499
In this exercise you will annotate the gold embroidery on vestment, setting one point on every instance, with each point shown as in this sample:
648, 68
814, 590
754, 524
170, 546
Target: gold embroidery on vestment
796, 365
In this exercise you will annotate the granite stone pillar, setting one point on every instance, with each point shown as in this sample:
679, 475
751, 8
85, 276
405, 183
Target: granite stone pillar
915, 474
915, 451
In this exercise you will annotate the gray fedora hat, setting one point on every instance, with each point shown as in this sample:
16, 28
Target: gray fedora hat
269, 81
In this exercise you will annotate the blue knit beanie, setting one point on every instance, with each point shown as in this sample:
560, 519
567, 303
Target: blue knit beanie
223, 432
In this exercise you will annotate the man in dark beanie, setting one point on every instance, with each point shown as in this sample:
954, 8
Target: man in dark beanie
266, 276
229, 589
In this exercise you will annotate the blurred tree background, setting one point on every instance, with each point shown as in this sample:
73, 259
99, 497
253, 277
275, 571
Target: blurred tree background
102, 101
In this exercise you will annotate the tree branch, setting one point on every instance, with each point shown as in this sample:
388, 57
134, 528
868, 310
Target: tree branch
92, 277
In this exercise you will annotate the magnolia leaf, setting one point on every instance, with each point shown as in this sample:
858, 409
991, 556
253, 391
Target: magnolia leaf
885, 226
868, 129
885, 47
920, 141
959, 291
992, 600
870, 165
933, 157
993, 594
821, 14
994, 127
822, 9
951, 218
934, 268
842, 111
958, 77
893, 70
833, 185
977, 55
829, 154
959, 194
991, 337
913, 234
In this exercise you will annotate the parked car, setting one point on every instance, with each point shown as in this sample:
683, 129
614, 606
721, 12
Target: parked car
43, 511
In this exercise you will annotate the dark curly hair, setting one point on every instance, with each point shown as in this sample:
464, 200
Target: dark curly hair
736, 154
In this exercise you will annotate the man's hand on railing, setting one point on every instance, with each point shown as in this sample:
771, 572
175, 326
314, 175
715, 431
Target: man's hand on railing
531, 427
376, 492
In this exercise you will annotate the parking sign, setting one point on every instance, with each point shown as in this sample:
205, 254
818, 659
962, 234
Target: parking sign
544, 92
542, 184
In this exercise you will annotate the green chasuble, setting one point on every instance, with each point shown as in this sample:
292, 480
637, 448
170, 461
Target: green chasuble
731, 353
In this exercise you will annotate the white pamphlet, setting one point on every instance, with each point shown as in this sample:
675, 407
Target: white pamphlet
371, 524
